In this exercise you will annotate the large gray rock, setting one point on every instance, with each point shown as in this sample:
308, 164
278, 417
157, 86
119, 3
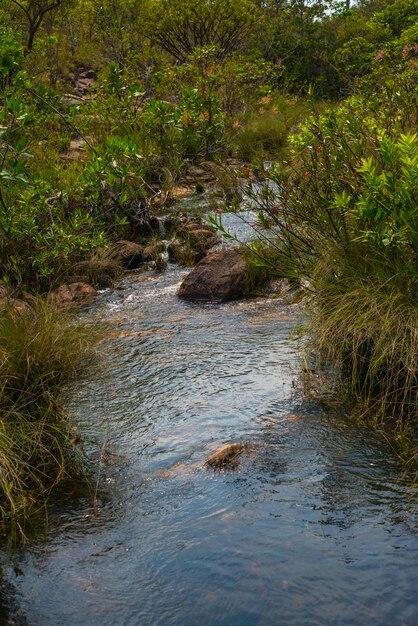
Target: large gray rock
218, 277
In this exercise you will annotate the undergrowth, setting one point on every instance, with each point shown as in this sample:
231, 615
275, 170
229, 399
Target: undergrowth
263, 135
368, 330
41, 348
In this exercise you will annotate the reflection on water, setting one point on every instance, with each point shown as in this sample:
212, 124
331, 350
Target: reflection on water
314, 527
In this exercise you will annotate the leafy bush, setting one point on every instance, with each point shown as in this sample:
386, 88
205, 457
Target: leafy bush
41, 243
11, 58
41, 236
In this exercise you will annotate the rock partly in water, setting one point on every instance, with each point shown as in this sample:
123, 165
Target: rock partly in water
129, 254
74, 294
219, 277
202, 240
226, 456
97, 271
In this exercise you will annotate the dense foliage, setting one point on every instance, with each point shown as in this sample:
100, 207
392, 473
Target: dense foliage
173, 83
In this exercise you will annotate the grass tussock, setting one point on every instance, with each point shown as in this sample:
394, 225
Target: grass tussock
41, 349
370, 335
100, 270
262, 267
341, 218
261, 137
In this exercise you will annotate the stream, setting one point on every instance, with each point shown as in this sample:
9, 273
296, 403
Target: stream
315, 526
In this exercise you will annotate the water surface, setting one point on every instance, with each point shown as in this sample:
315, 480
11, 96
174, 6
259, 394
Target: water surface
315, 526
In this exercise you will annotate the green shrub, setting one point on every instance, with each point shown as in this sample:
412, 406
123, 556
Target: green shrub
11, 58
40, 242
194, 128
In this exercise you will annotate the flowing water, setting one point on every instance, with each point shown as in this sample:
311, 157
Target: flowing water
315, 526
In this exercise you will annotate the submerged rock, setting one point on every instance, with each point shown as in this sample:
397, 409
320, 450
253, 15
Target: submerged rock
218, 277
226, 455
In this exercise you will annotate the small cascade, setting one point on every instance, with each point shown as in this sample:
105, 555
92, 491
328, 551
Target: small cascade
164, 254
161, 225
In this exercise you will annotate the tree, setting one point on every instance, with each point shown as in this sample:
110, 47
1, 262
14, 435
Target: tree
35, 11
180, 26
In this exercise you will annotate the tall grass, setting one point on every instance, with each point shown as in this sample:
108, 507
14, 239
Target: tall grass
368, 330
41, 348
264, 134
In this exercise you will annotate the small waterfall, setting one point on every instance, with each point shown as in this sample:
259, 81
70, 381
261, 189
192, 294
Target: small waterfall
161, 226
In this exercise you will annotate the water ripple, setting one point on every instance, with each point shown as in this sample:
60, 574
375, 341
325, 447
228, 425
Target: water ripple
315, 526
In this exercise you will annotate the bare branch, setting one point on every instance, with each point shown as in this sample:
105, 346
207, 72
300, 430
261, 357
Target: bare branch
35, 15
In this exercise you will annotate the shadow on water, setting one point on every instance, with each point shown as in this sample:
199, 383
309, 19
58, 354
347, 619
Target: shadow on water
10, 612
315, 525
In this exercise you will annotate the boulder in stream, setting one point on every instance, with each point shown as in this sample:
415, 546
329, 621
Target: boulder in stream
219, 277
74, 294
129, 254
